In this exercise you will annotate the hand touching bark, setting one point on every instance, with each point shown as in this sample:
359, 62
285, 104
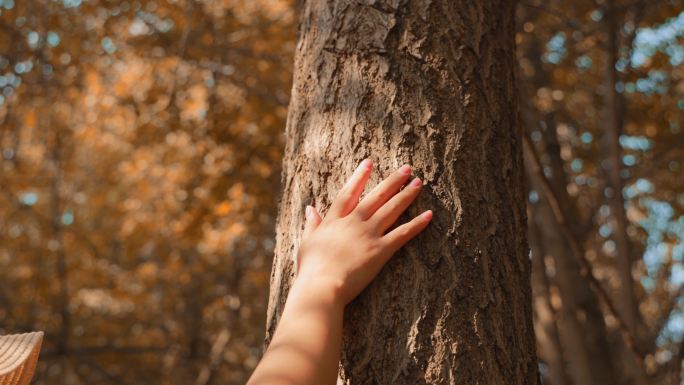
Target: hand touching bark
347, 249
339, 256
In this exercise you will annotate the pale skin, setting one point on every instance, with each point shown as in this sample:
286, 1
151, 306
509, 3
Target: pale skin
338, 257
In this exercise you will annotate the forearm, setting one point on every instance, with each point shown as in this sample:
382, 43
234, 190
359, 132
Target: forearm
306, 345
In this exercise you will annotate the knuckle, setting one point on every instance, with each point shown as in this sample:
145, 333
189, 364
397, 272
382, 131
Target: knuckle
381, 195
359, 213
396, 208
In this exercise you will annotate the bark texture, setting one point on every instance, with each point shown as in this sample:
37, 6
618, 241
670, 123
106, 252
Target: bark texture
429, 83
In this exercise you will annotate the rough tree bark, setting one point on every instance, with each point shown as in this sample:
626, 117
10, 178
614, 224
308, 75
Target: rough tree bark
429, 83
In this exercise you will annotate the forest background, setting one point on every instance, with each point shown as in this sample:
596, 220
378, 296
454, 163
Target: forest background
140, 150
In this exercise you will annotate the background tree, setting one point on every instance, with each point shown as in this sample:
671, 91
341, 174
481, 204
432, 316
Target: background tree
430, 84
602, 91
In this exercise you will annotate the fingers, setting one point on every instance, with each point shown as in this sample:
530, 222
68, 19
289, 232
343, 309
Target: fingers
313, 219
404, 233
348, 197
386, 215
383, 192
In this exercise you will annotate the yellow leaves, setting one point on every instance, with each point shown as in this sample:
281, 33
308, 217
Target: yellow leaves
147, 271
231, 301
218, 160
158, 158
193, 103
22, 272
222, 238
222, 208
257, 277
555, 298
184, 278
544, 100
128, 226
30, 119
635, 215
231, 95
207, 38
93, 82
263, 169
102, 301
236, 192
275, 10
236, 229
120, 88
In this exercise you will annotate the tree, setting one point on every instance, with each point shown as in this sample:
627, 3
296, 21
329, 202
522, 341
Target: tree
429, 83
600, 103
155, 214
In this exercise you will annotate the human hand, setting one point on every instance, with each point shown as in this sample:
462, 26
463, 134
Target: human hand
343, 252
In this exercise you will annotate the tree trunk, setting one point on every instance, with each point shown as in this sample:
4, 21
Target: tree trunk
545, 320
429, 83
612, 165
613, 126
579, 322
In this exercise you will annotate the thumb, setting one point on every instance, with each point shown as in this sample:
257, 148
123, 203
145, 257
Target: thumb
313, 219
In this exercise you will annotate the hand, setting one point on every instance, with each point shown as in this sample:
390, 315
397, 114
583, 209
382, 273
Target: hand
338, 257
346, 250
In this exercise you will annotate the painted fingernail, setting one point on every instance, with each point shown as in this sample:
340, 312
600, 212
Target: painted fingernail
405, 169
308, 211
416, 183
366, 163
427, 215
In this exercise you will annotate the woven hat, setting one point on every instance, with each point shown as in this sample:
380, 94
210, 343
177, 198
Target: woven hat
18, 357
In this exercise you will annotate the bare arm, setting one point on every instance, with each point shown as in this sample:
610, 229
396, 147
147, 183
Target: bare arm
339, 256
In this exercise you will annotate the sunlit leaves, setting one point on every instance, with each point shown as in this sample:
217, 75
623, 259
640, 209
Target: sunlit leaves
139, 131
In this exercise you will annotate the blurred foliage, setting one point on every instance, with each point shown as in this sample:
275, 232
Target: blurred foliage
564, 66
140, 158
141, 145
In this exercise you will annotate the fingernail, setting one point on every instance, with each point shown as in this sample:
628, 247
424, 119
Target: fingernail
416, 183
405, 169
427, 215
366, 163
308, 212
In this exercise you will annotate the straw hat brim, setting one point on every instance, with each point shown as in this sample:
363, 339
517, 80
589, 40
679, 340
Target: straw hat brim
18, 357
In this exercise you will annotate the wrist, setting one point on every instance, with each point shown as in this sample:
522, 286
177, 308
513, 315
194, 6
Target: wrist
320, 291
